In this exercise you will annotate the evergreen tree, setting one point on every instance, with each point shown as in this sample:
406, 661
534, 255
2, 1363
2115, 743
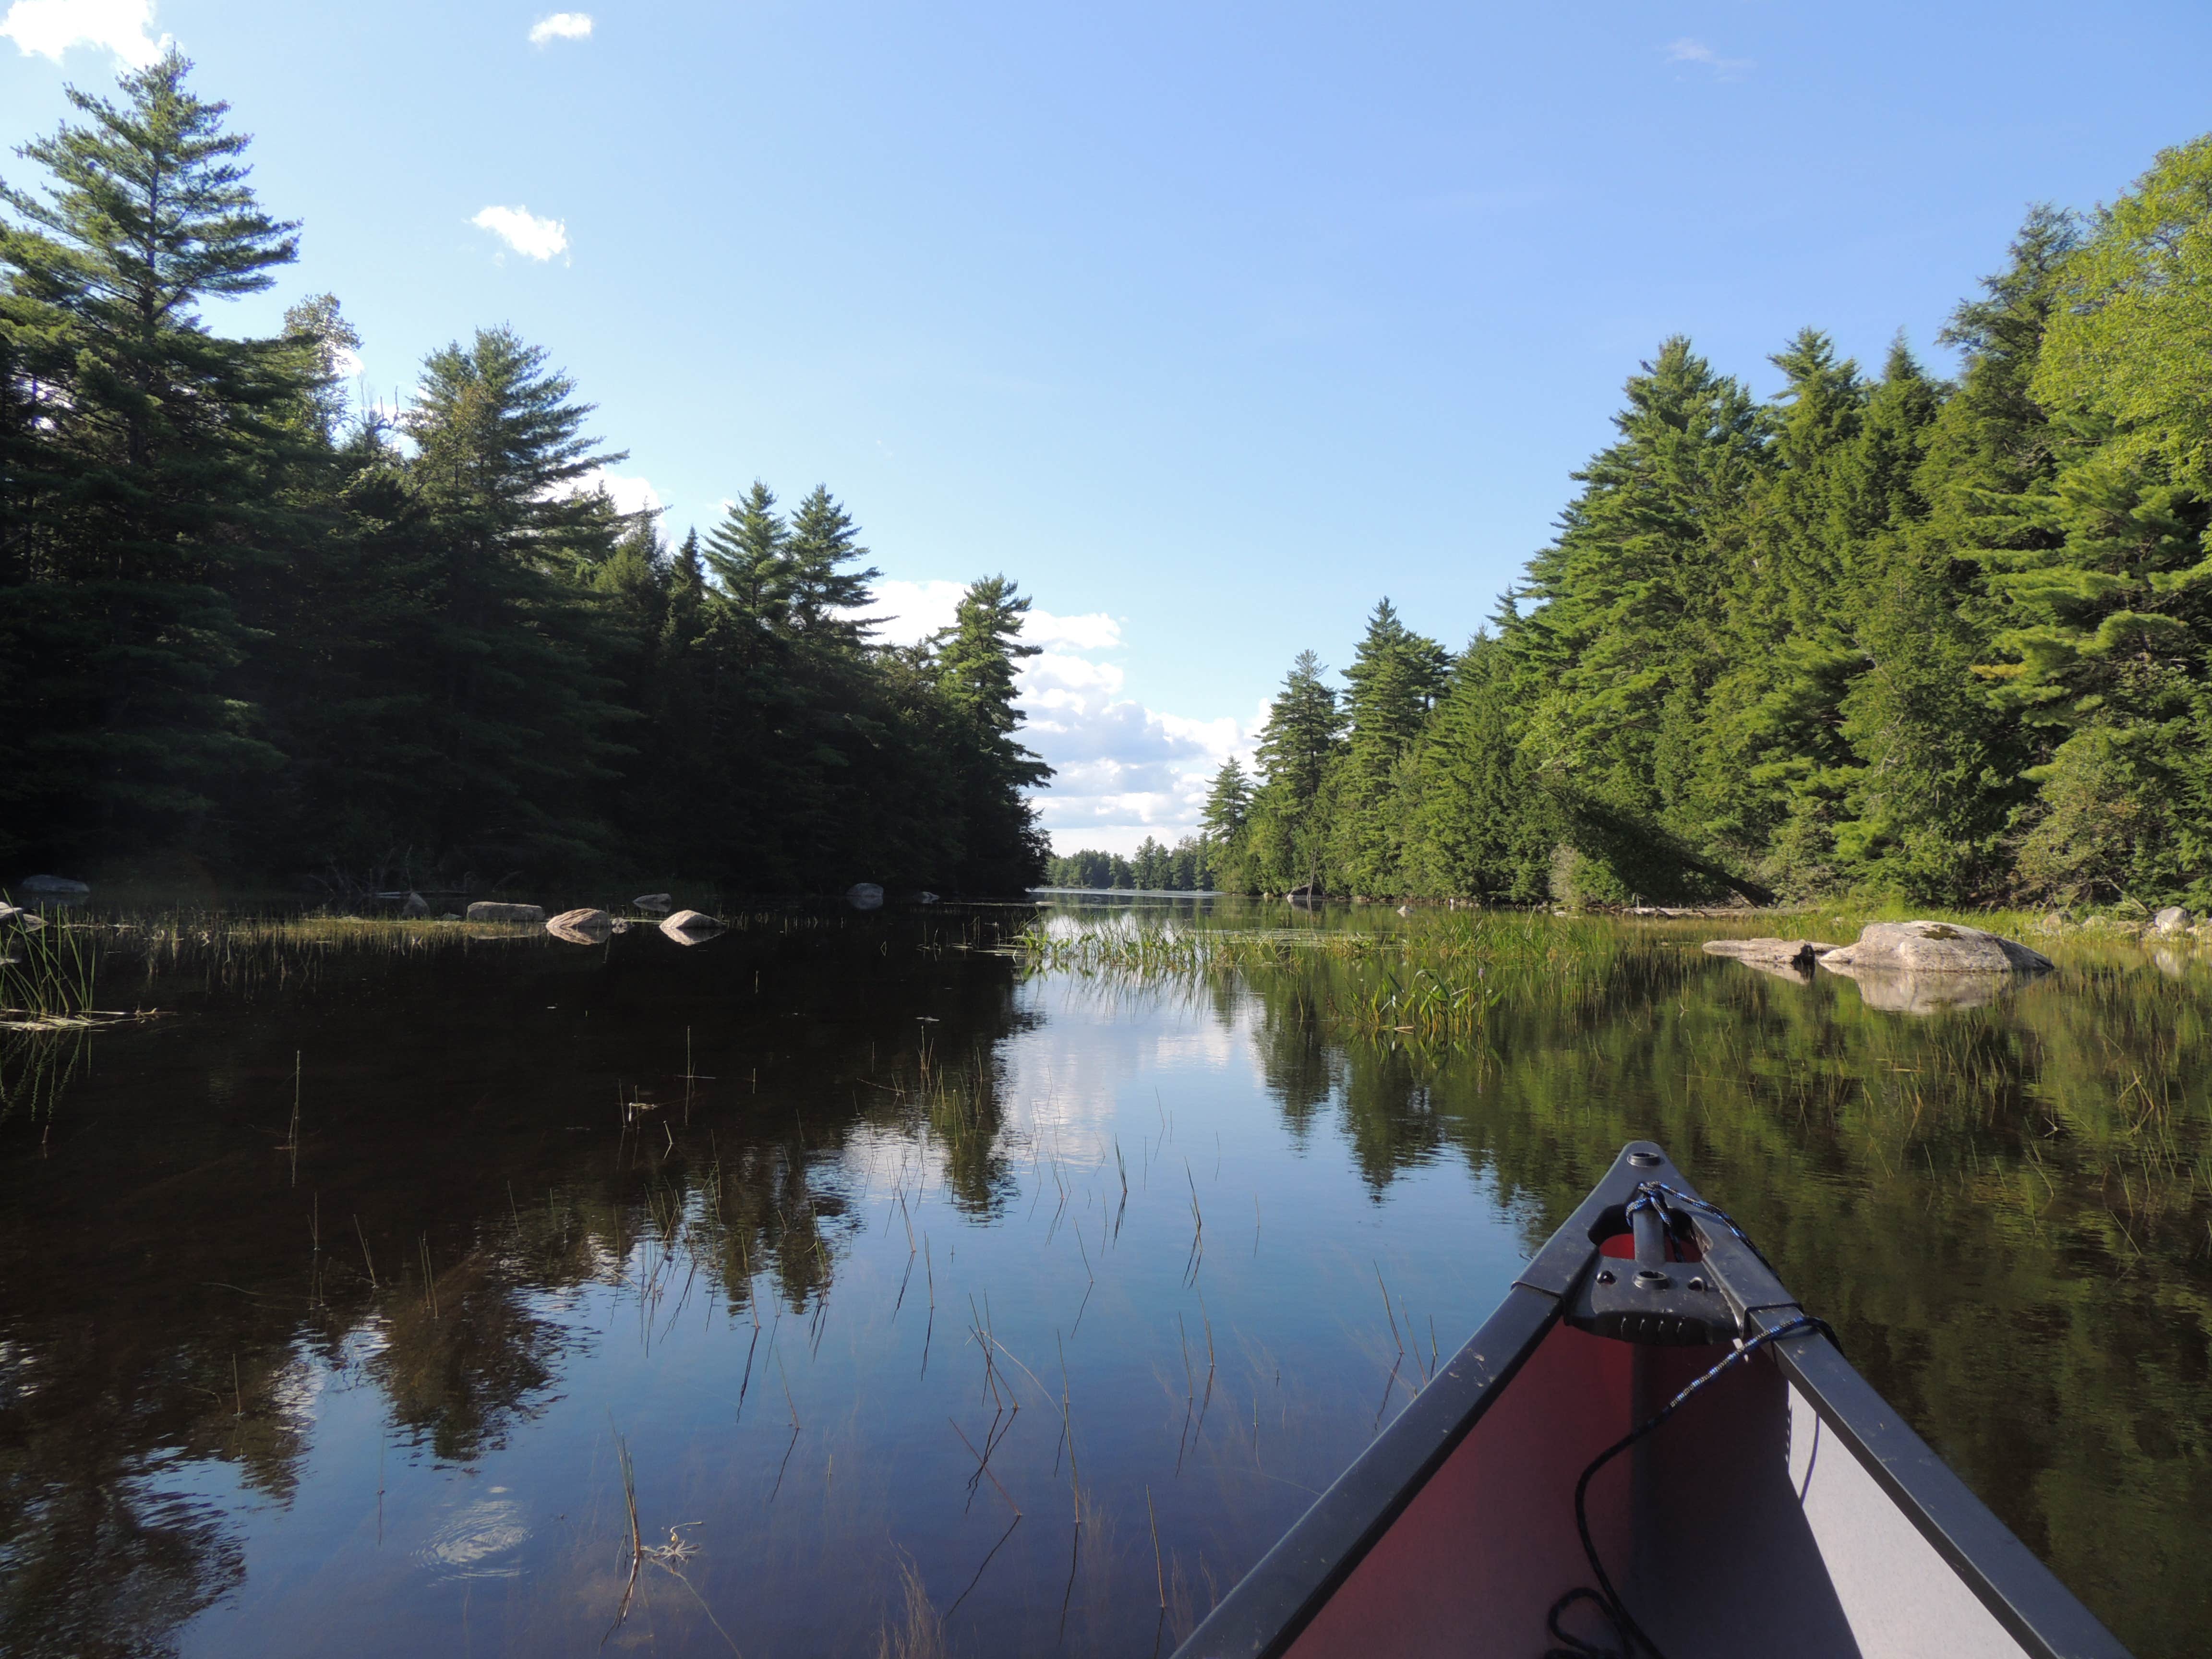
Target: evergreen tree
822, 593
514, 715
1394, 681
1288, 826
977, 665
749, 554
128, 527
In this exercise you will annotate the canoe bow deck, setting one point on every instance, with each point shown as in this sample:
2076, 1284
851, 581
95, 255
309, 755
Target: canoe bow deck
1784, 1508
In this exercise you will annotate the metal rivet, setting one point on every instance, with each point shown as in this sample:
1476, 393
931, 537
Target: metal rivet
1605, 1277
1698, 1284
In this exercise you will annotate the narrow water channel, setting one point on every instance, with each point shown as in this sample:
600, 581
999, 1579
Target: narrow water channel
924, 1299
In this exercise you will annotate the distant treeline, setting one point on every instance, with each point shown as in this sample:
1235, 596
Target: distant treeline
244, 621
1942, 638
1185, 867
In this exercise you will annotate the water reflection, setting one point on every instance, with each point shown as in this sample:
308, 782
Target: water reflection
899, 1264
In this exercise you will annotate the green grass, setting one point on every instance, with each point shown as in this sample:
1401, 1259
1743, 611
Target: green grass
46, 976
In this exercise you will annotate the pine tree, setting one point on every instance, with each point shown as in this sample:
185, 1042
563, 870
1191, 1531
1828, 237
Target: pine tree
1630, 616
824, 593
126, 530
1395, 679
1288, 827
517, 717
1479, 821
1228, 798
748, 553
977, 665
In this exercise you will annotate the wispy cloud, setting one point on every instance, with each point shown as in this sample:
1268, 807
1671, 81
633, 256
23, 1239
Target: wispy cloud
628, 494
1121, 770
561, 25
1687, 50
524, 231
48, 28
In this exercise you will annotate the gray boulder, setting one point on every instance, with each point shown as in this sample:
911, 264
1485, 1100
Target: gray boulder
690, 927
416, 905
2174, 919
1791, 956
14, 915
864, 896
582, 927
1933, 947
52, 887
489, 910
654, 904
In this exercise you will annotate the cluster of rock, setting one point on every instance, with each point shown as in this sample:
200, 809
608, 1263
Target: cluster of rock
1908, 967
590, 926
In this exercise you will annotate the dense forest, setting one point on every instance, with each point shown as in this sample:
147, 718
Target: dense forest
248, 625
1943, 639
1185, 867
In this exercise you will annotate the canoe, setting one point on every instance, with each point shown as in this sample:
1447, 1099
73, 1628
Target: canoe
1649, 1450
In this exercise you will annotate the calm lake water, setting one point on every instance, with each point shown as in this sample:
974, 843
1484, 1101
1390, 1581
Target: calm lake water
929, 1300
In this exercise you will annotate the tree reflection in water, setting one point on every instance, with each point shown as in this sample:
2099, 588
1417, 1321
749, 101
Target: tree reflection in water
522, 1165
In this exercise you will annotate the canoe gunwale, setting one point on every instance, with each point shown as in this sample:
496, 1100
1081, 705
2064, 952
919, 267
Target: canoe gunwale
2022, 1594
1265, 1611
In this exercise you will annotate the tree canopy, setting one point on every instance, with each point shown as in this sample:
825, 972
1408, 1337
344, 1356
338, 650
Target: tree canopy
246, 624
1946, 640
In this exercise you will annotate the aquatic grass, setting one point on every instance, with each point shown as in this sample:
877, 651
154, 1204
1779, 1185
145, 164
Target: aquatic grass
1442, 976
46, 978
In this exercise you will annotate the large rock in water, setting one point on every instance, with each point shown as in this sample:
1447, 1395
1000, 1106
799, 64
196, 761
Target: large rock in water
1933, 947
864, 896
2174, 919
654, 904
1792, 957
488, 910
59, 887
690, 927
14, 915
416, 905
582, 927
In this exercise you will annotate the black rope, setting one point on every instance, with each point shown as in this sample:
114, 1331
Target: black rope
1648, 1194
1631, 1635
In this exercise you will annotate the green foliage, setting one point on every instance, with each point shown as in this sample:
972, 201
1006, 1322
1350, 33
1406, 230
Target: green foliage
1948, 643
1189, 866
1287, 830
243, 623
140, 447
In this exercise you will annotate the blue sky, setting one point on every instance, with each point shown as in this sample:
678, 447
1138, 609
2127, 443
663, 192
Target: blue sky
1210, 325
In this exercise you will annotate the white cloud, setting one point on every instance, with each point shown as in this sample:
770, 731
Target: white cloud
1687, 50
48, 28
1122, 771
628, 494
907, 613
524, 231
561, 25
1094, 631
